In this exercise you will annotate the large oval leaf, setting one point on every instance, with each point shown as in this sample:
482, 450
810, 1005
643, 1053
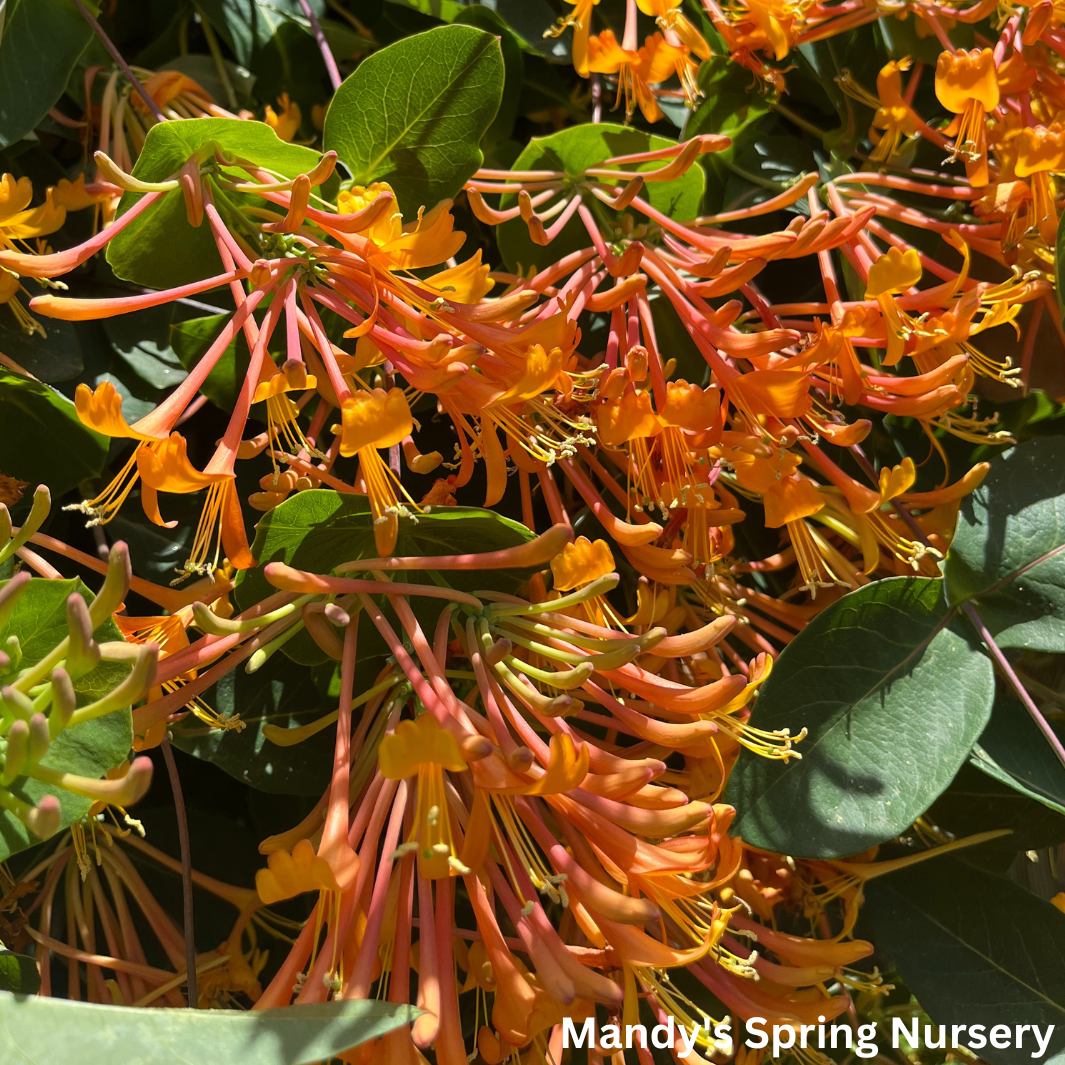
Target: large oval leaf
318, 529
41, 42
414, 113
42, 1031
161, 249
39, 621
1013, 750
41, 439
893, 700
1012, 780
1009, 547
280, 694
53, 357
728, 105
248, 26
573, 151
975, 949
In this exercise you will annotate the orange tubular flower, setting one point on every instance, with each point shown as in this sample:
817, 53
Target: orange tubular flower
772, 25
894, 115
967, 84
580, 20
285, 122
1040, 154
636, 70
671, 19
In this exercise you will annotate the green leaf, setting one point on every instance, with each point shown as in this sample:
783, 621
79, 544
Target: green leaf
160, 249
483, 17
728, 104
41, 439
157, 553
191, 339
414, 113
544, 89
1014, 751
142, 341
902, 39
249, 25
893, 700
54, 357
41, 42
1012, 780
771, 164
317, 530
527, 19
18, 973
573, 151
278, 694
974, 949
1009, 548
39, 621
42, 1031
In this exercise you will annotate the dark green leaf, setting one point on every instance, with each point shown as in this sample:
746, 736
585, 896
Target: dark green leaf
317, 530
55, 357
90, 749
156, 553
191, 339
975, 949
902, 39
414, 113
528, 19
18, 973
1012, 780
728, 104
142, 341
573, 151
41, 42
1009, 548
247, 26
278, 694
483, 17
764, 166
41, 439
160, 249
42, 1031
1014, 751
893, 700
543, 89
976, 802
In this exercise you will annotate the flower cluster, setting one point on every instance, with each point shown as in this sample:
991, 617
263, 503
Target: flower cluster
524, 816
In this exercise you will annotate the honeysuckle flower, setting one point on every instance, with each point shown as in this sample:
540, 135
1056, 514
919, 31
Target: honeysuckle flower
967, 84
285, 121
19, 223
447, 766
894, 118
1040, 153
636, 70
580, 21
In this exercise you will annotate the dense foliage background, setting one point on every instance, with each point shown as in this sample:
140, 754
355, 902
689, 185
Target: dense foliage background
739, 339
